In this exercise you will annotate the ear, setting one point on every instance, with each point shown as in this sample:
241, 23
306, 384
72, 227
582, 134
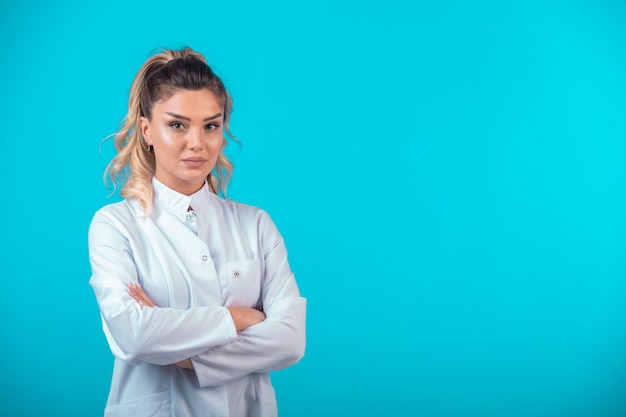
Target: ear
144, 124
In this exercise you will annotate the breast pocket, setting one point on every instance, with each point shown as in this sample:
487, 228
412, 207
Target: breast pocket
244, 283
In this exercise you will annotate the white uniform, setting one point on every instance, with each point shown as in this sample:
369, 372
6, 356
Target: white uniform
193, 264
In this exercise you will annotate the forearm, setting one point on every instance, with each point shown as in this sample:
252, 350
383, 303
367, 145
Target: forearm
161, 335
276, 343
135, 333
242, 317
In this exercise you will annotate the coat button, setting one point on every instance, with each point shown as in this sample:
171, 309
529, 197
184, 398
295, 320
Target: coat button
204, 257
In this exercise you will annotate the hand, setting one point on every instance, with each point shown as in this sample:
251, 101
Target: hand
135, 291
185, 363
244, 317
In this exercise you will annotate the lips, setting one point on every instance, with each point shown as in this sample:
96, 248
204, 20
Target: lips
194, 161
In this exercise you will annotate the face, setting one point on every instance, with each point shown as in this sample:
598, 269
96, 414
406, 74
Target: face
186, 132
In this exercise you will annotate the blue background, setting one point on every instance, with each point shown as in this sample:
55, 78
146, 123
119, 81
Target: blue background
449, 178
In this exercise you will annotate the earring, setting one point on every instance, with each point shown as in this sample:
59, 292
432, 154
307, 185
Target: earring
150, 148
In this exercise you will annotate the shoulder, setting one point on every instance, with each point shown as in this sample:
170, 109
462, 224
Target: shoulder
241, 211
119, 215
249, 217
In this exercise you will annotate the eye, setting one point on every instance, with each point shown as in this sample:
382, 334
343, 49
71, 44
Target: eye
177, 126
212, 126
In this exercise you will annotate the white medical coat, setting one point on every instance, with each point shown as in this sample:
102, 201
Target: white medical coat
193, 264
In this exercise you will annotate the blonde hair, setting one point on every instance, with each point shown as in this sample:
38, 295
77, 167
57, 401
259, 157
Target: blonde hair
164, 73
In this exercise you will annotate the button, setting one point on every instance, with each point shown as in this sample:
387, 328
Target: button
204, 257
189, 217
236, 274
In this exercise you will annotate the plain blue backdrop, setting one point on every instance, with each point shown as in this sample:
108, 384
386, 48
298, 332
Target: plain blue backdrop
449, 178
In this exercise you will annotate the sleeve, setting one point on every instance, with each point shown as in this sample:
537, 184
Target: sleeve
277, 342
159, 336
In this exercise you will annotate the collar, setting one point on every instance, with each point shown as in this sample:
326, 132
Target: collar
177, 202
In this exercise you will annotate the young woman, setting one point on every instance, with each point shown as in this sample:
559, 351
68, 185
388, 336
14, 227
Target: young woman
197, 299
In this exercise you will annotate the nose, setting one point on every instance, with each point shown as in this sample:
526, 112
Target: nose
194, 140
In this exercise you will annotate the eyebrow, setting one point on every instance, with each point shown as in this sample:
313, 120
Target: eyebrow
178, 116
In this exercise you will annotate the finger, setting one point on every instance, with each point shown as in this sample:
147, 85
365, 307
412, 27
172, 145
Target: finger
142, 301
136, 293
186, 364
134, 296
139, 294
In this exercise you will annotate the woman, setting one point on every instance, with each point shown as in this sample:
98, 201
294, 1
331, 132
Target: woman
197, 299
